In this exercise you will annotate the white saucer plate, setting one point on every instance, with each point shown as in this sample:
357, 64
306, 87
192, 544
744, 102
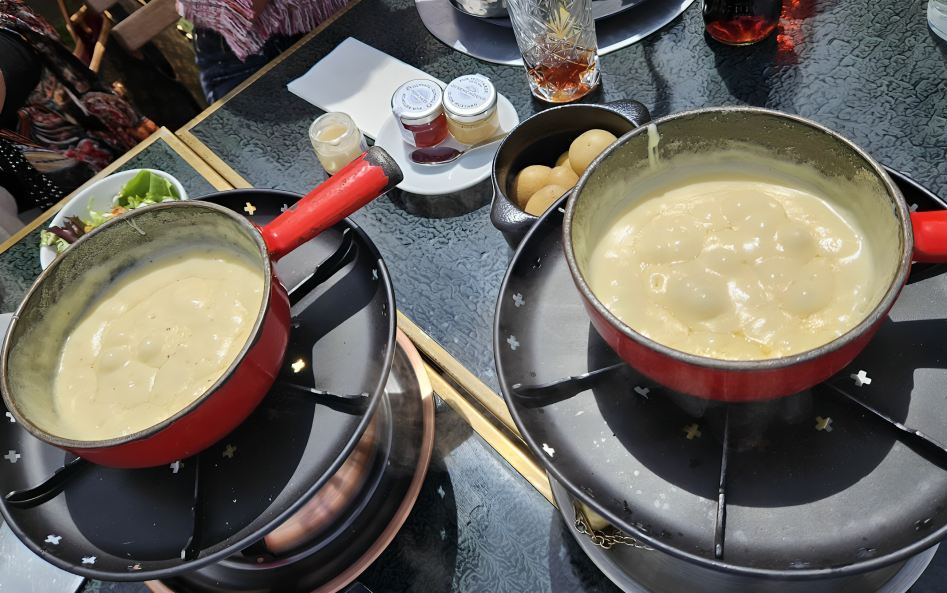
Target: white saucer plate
467, 171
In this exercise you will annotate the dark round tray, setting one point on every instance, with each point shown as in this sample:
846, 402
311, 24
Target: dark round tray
404, 442
648, 571
601, 9
804, 498
132, 525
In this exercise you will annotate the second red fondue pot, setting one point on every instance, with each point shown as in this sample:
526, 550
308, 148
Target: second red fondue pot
65, 289
660, 149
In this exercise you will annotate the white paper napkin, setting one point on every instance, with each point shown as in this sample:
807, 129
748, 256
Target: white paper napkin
359, 80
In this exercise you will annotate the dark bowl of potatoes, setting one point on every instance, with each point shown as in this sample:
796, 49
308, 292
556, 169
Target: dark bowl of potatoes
544, 156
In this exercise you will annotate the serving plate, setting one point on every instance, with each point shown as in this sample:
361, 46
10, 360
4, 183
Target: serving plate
496, 12
472, 36
467, 171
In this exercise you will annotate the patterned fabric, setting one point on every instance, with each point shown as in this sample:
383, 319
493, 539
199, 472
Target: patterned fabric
233, 20
29, 187
72, 125
221, 71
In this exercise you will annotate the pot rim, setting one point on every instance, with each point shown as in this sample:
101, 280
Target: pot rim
875, 316
71, 444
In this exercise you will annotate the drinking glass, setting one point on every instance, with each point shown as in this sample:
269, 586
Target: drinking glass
937, 17
557, 41
740, 22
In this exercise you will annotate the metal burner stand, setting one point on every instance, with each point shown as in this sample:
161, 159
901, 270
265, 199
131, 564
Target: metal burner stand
152, 523
838, 488
485, 41
330, 562
623, 564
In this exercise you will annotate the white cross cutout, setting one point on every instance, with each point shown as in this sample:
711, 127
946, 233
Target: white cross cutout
374, 274
250, 208
230, 451
12, 456
88, 560
10, 416
512, 342
549, 450
692, 432
176, 466
53, 539
913, 207
284, 208
643, 391
519, 300
861, 379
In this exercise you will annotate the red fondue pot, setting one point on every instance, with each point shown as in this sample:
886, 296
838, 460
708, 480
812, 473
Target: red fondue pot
74, 278
904, 236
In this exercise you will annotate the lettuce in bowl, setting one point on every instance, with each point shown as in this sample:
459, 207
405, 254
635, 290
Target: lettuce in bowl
143, 189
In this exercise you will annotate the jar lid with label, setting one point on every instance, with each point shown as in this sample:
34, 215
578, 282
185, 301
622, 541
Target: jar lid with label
417, 102
470, 98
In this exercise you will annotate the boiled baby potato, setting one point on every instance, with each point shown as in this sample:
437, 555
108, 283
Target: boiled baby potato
527, 182
586, 147
562, 175
544, 198
563, 160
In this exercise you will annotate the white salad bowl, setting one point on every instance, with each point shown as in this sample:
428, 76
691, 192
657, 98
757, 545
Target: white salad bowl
102, 192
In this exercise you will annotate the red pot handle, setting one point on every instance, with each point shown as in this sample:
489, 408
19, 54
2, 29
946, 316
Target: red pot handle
357, 184
930, 236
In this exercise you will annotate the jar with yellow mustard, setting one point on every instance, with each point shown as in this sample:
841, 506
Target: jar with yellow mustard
470, 103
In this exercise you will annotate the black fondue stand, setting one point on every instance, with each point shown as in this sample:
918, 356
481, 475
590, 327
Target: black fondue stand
157, 523
872, 71
831, 489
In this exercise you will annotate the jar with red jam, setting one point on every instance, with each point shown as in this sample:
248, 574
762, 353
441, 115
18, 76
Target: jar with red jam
419, 112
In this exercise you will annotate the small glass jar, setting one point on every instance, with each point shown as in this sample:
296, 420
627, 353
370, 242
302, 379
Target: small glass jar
337, 141
417, 108
740, 22
470, 103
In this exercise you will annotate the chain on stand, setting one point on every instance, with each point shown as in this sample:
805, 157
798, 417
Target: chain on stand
600, 538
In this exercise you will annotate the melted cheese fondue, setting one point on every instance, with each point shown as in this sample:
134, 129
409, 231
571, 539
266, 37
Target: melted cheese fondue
733, 268
155, 342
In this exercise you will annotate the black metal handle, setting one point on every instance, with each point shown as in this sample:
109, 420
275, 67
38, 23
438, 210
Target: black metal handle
192, 549
343, 255
340, 402
537, 396
56, 483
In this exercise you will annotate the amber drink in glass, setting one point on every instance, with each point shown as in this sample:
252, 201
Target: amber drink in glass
740, 22
557, 41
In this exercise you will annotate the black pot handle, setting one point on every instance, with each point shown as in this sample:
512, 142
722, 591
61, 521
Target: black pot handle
633, 111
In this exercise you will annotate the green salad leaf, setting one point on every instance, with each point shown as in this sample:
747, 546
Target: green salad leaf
146, 188
97, 217
143, 189
48, 239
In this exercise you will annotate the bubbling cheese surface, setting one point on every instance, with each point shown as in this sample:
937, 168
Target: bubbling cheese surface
733, 268
156, 341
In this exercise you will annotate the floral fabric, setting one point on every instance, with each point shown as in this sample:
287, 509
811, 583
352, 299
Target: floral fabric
72, 125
